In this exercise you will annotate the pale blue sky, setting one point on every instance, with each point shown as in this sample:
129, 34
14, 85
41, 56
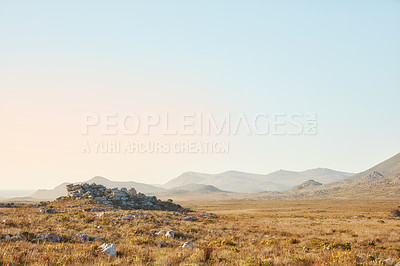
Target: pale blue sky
340, 59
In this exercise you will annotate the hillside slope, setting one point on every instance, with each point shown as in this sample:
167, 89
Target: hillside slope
380, 181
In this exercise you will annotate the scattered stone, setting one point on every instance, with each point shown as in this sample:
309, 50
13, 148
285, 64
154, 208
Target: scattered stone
209, 215
103, 214
166, 233
358, 216
96, 209
127, 217
7, 237
48, 211
83, 237
49, 237
108, 249
190, 218
187, 245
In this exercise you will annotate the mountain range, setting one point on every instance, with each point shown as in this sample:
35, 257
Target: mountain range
382, 180
252, 183
201, 183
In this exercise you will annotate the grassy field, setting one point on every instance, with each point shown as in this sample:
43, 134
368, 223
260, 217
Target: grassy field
274, 232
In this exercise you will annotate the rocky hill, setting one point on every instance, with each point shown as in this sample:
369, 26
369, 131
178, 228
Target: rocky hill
308, 183
119, 198
58, 191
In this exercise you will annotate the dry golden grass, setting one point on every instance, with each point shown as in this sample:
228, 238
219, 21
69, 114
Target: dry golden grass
275, 232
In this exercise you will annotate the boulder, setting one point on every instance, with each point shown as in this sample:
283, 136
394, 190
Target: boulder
166, 233
49, 237
108, 249
190, 218
187, 245
170, 234
48, 211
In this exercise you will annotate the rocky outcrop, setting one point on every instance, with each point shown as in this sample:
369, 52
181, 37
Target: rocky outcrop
309, 183
119, 198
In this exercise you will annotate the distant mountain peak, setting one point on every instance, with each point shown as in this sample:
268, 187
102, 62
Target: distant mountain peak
98, 179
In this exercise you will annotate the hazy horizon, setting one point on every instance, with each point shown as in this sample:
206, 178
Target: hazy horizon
335, 64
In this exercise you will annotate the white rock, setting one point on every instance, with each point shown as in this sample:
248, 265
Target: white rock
109, 249
170, 234
187, 245
7, 237
161, 233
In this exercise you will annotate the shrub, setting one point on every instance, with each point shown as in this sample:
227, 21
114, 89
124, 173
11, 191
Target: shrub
234, 249
370, 243
293, 241
222, 242
395, 213
207, 251
89, 220
268, 243
142, 241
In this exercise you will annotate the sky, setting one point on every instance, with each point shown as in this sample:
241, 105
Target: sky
60, 60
